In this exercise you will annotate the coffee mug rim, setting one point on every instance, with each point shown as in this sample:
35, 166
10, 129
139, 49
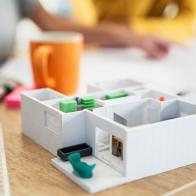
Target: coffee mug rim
58, 37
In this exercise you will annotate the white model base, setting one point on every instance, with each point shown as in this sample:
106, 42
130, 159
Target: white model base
104, 176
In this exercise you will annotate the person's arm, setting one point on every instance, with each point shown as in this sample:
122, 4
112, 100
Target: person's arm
103, 34
179, 29
106, 34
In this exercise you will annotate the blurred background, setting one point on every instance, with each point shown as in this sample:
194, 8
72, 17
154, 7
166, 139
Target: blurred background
170, 19
160, 51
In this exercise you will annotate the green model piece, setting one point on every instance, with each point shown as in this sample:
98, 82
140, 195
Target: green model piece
68, 106
81, 168
88, 102
89, 106
116, 95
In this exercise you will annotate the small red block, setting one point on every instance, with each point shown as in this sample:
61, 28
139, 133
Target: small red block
161, 98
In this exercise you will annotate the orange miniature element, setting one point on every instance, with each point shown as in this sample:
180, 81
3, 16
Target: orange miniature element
161, 98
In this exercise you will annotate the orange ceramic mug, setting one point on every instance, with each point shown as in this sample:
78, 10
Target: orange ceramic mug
55, 58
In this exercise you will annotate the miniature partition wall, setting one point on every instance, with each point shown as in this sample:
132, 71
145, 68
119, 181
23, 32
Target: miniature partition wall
135, 136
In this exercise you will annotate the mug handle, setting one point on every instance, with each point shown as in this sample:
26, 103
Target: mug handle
41, 56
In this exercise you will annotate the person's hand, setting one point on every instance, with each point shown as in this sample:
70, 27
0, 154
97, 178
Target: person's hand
155, 47
117, 35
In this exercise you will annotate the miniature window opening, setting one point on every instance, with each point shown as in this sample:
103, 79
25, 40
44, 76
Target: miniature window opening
109, 149
51, 122
102, 144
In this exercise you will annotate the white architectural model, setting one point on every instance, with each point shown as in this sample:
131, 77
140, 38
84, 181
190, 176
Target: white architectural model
153, 136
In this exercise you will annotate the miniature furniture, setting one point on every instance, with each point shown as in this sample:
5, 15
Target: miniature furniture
83, 149
68, 106
81, 169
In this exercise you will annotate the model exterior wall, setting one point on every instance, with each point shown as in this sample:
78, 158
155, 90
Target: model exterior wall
46, 125
41, 123
165, 145
161, 147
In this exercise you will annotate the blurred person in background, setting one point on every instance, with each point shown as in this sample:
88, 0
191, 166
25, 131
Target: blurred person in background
171, 19
111, 32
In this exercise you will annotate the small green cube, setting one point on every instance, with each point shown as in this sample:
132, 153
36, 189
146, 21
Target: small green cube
68, 106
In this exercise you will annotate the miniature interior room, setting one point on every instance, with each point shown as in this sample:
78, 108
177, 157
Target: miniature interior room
147, 111
144, 112
133, 113
109, 97
176, 109
108, 147
45, 94
119, 96
63, 103
96, 140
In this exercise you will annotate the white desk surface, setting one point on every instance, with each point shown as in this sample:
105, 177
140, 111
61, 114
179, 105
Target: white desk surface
174, 73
